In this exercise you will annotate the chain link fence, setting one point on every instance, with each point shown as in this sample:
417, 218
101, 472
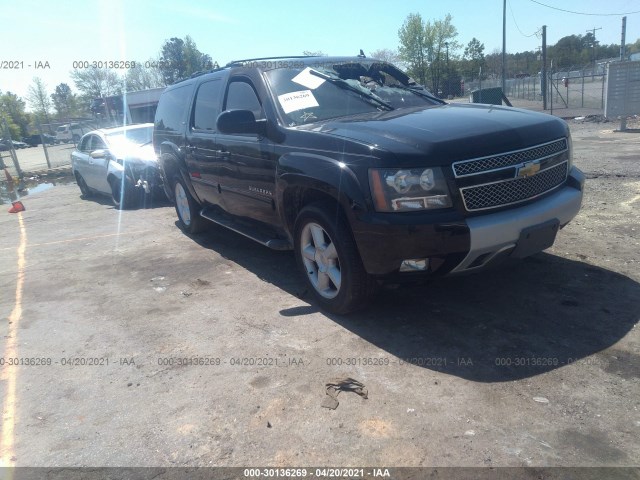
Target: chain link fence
48, 147
568, 89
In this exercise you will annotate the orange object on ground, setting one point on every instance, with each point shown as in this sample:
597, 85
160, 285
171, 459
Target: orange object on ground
17, 207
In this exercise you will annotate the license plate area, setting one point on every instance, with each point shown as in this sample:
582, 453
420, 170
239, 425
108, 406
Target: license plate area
536, 238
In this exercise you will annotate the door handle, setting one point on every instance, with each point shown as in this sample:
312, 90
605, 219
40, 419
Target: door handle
191, 148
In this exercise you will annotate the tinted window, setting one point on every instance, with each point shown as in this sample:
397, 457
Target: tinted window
241, 96
171, 109
207, 105
84, 145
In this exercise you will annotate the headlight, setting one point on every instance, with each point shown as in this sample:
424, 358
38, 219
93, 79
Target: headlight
408, 190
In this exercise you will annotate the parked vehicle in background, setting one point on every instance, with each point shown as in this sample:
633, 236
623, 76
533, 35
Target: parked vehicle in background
35, 139
69, 132
362, 172
6, 144
119, 162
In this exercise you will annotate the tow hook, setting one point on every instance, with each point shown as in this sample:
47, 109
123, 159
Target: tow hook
144, 184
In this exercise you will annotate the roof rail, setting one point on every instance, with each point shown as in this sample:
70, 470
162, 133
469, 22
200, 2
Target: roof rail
234, 63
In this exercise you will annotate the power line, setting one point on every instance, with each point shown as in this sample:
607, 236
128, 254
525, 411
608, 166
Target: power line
585, 13
536, 33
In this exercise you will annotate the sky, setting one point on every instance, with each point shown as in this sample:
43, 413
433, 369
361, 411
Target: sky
38, 33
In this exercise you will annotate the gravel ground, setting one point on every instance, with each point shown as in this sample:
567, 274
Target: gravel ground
534, 364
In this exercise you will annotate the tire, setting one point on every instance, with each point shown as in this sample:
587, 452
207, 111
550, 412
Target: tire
84, 188
122, 199
334, 271
187, 209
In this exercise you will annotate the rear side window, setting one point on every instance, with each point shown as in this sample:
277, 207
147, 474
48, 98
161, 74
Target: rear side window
207, 105
172, 109
242, 96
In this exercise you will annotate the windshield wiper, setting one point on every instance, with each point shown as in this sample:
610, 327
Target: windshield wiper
418, 91
346, 85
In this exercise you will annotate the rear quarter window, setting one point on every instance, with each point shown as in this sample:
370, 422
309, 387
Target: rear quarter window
172, 108
207, 105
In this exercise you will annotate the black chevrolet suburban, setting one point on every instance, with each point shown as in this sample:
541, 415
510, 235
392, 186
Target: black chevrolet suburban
361, 171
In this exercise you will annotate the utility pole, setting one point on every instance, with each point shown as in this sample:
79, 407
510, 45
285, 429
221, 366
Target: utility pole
623, 47
543, 71
623, 39
446, 44
593, 31
504, 45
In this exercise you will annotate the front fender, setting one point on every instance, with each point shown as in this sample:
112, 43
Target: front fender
114, 170
326, 175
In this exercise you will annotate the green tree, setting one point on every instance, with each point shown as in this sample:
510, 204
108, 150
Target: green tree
12, 110
64, 101
39, 99
567, 51
493, 62
474, 56
181, 58
424, 46
413, 47
442, 36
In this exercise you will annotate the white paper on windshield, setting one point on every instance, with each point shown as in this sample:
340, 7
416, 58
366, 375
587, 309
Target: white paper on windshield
297, 101
306, 79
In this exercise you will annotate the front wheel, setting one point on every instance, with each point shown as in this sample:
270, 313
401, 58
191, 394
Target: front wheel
187, 208
328, 257
122, 194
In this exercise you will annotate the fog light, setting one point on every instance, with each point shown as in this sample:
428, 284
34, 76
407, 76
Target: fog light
415, 265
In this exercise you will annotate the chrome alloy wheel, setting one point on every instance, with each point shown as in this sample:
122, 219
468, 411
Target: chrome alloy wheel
321, 260
182, 204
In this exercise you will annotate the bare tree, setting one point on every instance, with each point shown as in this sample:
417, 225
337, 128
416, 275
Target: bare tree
97, 82
314, 53
39, 99
386, 54
144, 77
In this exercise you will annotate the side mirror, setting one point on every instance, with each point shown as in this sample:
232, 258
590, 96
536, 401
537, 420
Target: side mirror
101, 153
240, 121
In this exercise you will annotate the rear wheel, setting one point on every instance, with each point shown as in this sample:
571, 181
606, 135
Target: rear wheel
187, 208
84, 188
328, 257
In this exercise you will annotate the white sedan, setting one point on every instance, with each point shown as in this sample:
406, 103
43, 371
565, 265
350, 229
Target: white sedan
119, 162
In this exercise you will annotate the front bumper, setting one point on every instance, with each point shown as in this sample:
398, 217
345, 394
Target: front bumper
457, 245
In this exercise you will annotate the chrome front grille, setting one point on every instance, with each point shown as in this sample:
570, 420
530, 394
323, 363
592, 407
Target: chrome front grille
508, 192
496, 162
512, 177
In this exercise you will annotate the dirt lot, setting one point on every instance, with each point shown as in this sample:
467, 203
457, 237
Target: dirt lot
537, 364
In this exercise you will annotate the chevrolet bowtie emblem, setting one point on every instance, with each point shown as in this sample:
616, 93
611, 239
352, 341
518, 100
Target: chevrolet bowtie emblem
528, 170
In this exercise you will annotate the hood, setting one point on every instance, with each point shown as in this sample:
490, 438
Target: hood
142, 154
448, 133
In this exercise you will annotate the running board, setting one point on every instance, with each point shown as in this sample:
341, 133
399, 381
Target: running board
257, 235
